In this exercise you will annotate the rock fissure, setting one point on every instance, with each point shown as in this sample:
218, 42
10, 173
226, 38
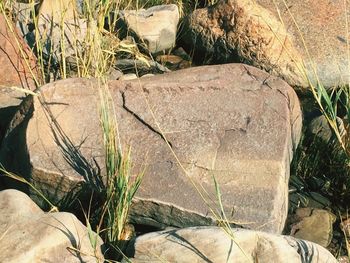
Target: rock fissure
137, 117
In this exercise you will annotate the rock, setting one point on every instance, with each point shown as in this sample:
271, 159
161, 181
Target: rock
155, 27
212, 244
57, 11
76, 35
243, 30
10, 99
30, 235
243, 132
252, 32
18, 64
129, 76
323, 28
114, 74
320, 127
140, 67
314, 225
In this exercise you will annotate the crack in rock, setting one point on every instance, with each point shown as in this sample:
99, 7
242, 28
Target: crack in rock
137, 117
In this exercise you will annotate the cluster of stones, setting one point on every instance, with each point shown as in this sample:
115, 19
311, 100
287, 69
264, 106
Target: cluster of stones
236, 122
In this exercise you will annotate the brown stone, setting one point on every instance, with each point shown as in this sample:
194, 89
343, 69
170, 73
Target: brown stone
265, 34
232, 121
18, 64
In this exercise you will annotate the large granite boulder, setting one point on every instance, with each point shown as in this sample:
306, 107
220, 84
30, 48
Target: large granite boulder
30, 235
277, 36
233, 121
212, 244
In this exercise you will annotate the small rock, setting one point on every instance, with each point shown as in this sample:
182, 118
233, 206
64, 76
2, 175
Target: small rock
58, 10
314, 225
321, 128
114, 74
343, 259
147, 75
156, 27
30, 235
129, 76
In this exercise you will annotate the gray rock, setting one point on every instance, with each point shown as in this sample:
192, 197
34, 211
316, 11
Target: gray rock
243, 132
156, 26
30, 235
320, 127
252, 31
212, 244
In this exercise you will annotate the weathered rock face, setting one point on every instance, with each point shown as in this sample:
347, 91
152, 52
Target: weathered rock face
16, 59
30, 235
322, 25
156, 26
232, 121
212, 244
252, 31
315, 225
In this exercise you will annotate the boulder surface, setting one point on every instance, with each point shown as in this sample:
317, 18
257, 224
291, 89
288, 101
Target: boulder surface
30, 235
232, 122
290, 39
212, 244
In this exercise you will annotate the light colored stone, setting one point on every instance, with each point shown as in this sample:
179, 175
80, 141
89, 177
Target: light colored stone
252, 31
243, 132
129, 76
314, 225
72, 40
58, 10
212, 244
155, 26
30, 235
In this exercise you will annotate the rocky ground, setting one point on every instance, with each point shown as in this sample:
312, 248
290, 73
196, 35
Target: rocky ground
223, 92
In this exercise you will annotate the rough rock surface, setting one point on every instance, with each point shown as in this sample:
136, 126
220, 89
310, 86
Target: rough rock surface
16, 66
243, 132
315, 225
252, 31
211, 244
30, 235
156, 26
58, 10
9, 102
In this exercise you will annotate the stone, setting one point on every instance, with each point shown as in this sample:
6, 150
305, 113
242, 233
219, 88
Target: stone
322, 25
129, 76
30, 235
314, 225
58, 10
76, 33
156, 27
18, 64
212, 244
243, 132
263, 33
320, 128
10, 99
235, 30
